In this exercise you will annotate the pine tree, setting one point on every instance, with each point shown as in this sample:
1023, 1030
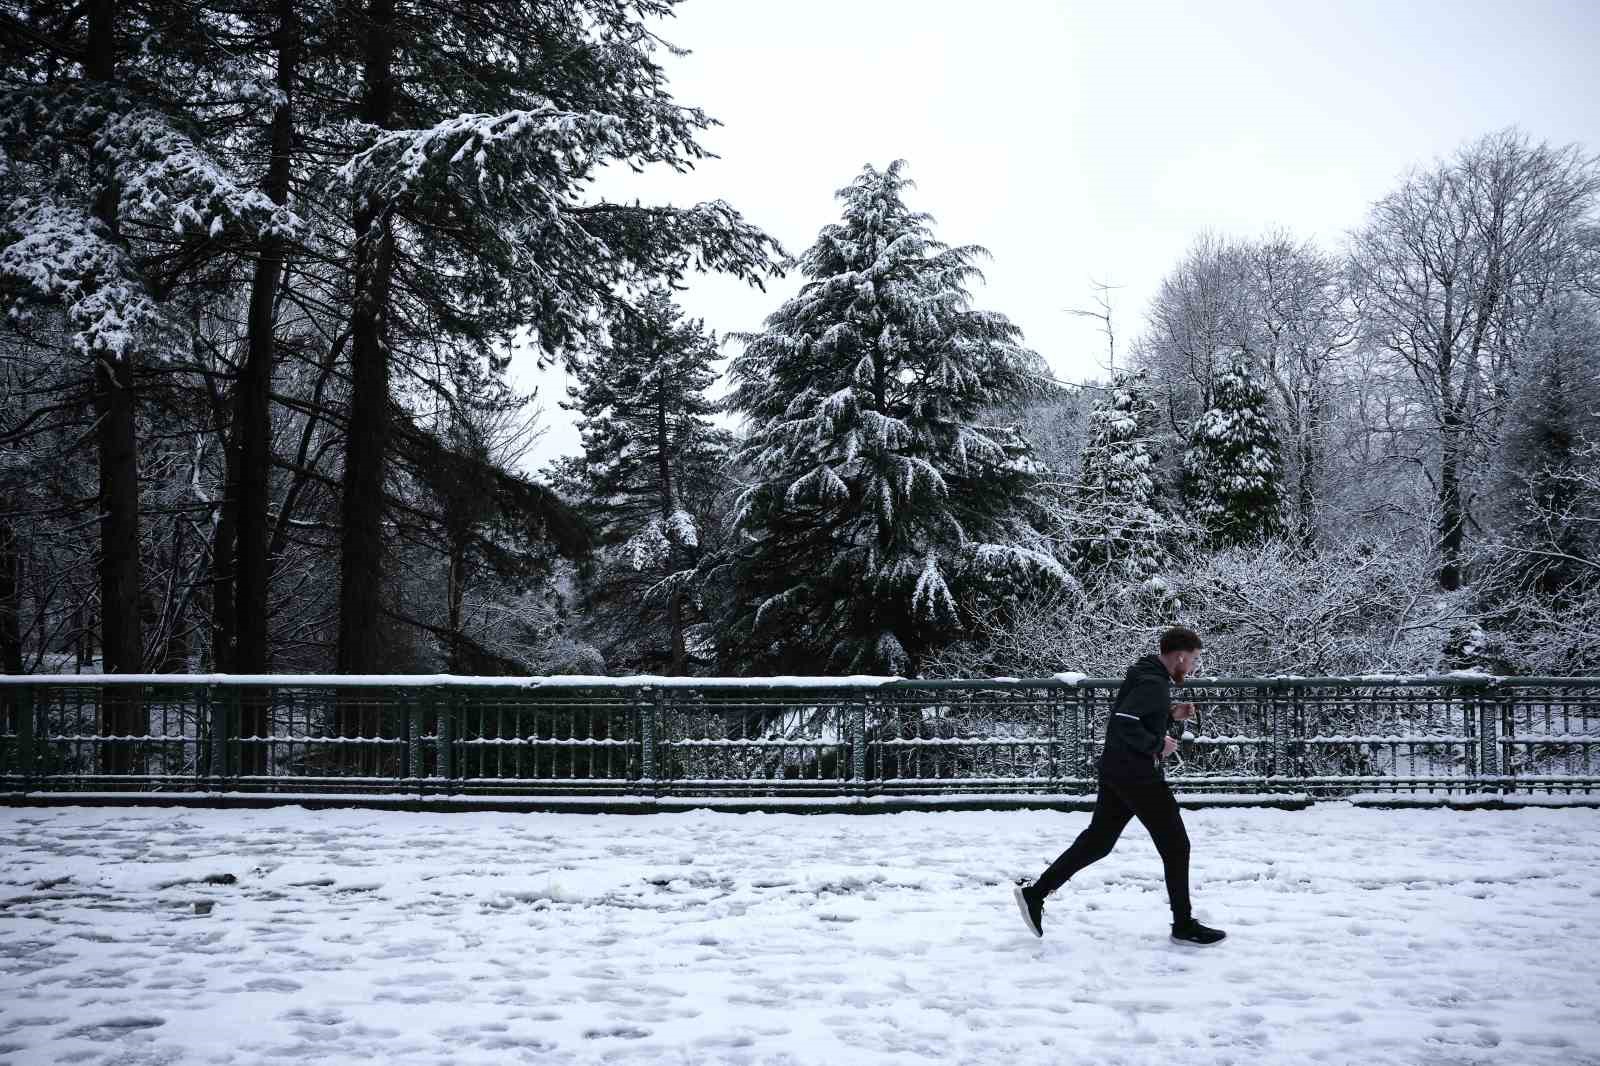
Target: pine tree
1233, 470
481, 127
649, 476
1118, 533
884, 494
1548, 454
114, 195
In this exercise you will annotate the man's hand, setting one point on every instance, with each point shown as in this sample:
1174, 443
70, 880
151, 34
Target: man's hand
1168, 746
1182, 712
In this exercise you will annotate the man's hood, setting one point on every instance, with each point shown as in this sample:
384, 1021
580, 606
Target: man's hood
1151, 665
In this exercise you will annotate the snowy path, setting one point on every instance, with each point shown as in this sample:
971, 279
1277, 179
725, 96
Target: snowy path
1358, 936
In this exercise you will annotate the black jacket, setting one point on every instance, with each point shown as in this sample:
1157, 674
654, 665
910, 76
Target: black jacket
1142, 711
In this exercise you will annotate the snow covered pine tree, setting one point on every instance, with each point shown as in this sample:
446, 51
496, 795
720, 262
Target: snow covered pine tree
884, 494
1118, 534
482, 127
112, 198
1233, 470
648, 479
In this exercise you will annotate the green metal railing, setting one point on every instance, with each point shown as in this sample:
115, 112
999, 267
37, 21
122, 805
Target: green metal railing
780, 737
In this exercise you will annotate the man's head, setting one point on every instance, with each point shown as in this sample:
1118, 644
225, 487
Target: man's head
1180, 651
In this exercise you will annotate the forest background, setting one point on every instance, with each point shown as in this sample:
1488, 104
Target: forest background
267, 267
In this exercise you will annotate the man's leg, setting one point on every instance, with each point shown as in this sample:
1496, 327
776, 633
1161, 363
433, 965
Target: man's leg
1153, 804
1111, 815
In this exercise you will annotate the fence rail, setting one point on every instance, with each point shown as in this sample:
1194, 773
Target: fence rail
780, 736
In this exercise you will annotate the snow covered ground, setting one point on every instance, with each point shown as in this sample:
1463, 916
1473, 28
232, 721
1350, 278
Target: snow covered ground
1357, 936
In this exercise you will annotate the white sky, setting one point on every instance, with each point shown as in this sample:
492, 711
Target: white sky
1081, 141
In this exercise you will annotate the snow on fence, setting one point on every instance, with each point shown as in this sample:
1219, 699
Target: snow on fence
692, 737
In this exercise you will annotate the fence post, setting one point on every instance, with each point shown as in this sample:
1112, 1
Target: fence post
445, 706
650, 718
202, 717
217, 705
1054, 696
858, 749
1297, 708
1505, 754
1278, 714
25, 744
1079, 731
1488, 767
413, 737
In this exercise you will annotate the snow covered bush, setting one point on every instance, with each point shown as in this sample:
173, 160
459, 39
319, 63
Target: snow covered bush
1262, 610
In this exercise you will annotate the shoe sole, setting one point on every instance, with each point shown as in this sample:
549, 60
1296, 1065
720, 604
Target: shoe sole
1194, 943
1022, 906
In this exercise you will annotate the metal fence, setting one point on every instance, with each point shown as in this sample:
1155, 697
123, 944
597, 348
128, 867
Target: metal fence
780, 737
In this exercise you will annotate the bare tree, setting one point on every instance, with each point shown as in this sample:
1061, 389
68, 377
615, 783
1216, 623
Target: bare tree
1296, 322
1195, 323
1102, 299
1451, 265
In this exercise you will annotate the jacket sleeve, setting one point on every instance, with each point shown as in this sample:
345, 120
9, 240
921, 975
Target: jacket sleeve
1143, 698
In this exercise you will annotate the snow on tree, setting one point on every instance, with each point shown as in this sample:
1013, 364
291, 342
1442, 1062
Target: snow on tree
477, 142
886, 497
1233, 469
157, 182
1117, 532
1547, 448
468, 200
1452, 267
649, 476
1538, 580
111, 195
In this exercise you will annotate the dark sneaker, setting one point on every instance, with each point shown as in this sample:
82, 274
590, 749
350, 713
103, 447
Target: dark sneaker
1192, 932
1031, 904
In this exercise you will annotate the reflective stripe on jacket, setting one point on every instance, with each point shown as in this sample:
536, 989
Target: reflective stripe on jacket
1142, 710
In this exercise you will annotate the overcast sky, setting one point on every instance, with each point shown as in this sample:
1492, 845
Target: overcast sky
1081, 141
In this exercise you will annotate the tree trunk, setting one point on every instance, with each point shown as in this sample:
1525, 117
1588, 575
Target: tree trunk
224, 617
82, 633
669, 506
1308, 435
121, 632
10, 615
361, 535
252, 421
10, 601
455, 595
171, 656
252, 418
115, 432
121, 636
1451, 518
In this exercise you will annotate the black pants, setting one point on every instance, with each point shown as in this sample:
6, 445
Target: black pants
1130, 787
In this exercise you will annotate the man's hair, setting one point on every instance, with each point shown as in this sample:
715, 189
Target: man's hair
1180, 638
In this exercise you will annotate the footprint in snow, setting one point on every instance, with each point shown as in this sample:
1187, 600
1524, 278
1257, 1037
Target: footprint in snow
113, 1028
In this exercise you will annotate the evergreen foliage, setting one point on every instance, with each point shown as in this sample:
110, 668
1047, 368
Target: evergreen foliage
1118, 532
1549, 517
1233, 469
885, 495
482, 127
649, 477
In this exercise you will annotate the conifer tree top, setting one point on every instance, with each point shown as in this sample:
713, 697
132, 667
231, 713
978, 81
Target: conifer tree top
879, 464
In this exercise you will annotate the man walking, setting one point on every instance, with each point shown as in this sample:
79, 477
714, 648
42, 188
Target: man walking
1132, 785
